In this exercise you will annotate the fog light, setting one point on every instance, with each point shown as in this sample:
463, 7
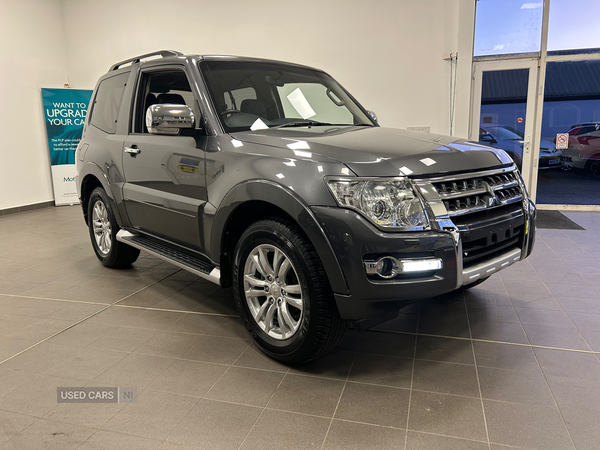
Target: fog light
387, 267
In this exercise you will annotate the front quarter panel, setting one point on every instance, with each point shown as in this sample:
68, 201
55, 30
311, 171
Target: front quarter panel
236, 175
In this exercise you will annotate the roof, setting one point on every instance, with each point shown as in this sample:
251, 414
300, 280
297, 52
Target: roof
565, 80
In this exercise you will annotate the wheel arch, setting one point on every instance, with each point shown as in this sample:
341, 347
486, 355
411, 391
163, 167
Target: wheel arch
92, 177
251, 201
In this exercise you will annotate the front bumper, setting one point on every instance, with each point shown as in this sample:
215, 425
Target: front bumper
355, 240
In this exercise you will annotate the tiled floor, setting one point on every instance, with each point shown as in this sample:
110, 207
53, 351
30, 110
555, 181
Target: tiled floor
511, 364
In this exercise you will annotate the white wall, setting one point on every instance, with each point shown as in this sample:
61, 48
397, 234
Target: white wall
32, 56
388, 53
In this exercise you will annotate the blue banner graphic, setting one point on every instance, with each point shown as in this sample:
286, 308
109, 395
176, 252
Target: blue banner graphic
64, 111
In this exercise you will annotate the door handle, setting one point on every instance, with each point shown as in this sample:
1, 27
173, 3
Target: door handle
133, 150
525, 144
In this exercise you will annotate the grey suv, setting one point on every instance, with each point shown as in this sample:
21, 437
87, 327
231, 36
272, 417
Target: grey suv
269, 177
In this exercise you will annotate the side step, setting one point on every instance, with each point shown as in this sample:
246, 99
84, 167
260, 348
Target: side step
194, 265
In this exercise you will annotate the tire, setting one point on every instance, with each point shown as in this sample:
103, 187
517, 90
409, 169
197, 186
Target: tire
464, 287
312, 325
101, 219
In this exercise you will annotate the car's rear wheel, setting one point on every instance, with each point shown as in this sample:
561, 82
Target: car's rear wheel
103, 229
283, 295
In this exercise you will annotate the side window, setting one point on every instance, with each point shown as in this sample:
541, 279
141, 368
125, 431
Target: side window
233, 99
107, 103
157, 87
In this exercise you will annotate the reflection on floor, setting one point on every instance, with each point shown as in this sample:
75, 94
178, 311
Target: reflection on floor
514, 362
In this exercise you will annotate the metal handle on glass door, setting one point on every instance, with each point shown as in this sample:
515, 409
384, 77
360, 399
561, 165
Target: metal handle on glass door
525, 145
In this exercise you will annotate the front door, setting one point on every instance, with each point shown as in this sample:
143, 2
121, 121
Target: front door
503, 113
165, 189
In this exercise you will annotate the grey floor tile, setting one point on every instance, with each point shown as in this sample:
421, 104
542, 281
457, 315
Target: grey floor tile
500, 331
246, 386
446, 378
217, 350
48, 434
536, 301
198, 324
575, 392
192, 378
135, 370
528, 426
532, 316
516, 387
436, 413
156, 320
378, 405
11, 323
11, 424
580, 291
336, 365
12, 379
422, 441
402, 323
291, 431
75, 311
82, 334
40, 358
33, 307
357, 436
154, 414
383, 370
551, 336
583, 427
108, 440
579, 304
123, 339
9, 347
212, 425
115, 316
568, 364
505, 356
444, 349
442, 325
37, 396
307, 395
390, 344
86, 364
231, 327
255, 359
168, 344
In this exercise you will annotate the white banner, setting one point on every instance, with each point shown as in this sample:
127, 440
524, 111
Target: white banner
63, 180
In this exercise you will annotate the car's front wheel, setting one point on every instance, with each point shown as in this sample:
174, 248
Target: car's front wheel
283, 295
103, 229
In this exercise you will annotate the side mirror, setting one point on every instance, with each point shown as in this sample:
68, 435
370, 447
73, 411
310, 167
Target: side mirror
169, 119
372, 115
488, 139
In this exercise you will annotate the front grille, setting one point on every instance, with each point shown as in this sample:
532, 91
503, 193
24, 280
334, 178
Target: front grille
487, 208
472, 194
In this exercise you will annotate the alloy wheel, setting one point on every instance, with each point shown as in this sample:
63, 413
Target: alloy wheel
273, 292
102, 227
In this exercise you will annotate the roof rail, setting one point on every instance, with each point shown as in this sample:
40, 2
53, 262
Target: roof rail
163, 53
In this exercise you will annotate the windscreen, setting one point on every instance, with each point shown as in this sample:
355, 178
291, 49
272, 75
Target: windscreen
261, 95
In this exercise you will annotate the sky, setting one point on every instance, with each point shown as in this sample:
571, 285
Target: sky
515, 26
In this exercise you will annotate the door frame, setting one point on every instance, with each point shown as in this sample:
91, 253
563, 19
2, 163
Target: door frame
530, 159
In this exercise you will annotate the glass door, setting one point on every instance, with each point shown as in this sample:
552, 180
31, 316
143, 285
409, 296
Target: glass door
503, 109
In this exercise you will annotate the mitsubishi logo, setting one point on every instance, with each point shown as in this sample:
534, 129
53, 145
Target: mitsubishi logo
492, 200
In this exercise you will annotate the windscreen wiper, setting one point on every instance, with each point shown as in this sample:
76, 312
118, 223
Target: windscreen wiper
302, 123
313, 123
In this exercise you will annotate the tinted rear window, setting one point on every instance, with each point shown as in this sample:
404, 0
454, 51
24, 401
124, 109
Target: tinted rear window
107, 102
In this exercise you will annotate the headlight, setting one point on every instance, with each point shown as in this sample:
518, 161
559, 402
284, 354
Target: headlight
387, 203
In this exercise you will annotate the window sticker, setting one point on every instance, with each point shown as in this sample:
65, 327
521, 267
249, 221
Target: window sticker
258, 125
300, 104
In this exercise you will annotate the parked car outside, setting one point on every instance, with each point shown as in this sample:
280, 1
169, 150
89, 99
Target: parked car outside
584, 148
510, 140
